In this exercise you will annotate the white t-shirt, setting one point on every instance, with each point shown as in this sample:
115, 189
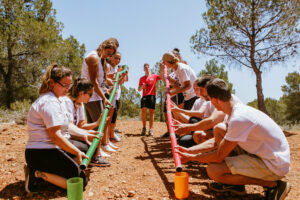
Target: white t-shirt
118, 90
76, 113
46, 112
258, 134
209, 109
186, 73
198, 104
100, 78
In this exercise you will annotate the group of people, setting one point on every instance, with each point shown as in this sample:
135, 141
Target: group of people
240, 144
59, 133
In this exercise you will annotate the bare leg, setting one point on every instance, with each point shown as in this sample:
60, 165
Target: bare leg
221, 173
53, 178
144, 116
151, 118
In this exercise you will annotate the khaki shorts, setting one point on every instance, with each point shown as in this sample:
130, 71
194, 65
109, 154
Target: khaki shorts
250, 166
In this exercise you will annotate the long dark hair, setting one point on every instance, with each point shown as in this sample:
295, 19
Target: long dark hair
80, 84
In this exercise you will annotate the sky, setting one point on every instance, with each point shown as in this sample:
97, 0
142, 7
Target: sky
146, 29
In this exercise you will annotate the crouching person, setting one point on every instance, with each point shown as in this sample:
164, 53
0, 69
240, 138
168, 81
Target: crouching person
253, 151
49, 154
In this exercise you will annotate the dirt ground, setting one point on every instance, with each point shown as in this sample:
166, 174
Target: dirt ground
143, 168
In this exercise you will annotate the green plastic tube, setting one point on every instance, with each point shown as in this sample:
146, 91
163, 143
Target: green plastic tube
96, 141
75, 188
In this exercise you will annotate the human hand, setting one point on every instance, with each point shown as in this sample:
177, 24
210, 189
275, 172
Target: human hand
105, 102
79, 156
89, 137
185, 157
181, 129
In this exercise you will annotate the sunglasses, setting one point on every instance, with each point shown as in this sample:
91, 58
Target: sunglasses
64, 85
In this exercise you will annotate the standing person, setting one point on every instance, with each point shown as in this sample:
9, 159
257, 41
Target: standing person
186, 77
49, 154
114, 62
262, 151
147, 83
94, 70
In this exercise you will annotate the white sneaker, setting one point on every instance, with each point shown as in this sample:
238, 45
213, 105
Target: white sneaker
117, 138
112, 145
107, 148
103, 153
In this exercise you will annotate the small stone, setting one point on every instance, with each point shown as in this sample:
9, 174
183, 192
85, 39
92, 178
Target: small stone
123, 181
91, 194
106, 189
10, 159
131, 193
149, 198
16, 198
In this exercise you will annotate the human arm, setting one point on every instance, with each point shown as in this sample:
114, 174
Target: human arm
218, 156
180, 89
93, 64
57, 138
205, 124
81, 134
191, 113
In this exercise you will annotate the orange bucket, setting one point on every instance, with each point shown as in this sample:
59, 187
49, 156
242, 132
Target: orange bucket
181, 185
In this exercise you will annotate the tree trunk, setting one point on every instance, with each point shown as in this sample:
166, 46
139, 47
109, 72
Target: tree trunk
260, 96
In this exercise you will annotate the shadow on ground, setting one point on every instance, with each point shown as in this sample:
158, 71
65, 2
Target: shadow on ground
16, 189
160, 153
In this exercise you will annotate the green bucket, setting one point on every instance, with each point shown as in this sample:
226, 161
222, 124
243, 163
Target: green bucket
75, 188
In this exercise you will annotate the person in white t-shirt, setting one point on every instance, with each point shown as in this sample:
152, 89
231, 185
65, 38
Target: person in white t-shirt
94, 68
262, 153
203, 129
49, 154
78, 95
186, 78
114, 62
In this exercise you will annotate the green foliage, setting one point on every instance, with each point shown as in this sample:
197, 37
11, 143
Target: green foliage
275, 108
211, 67
250, 34
130, 102
291, 96
30, 39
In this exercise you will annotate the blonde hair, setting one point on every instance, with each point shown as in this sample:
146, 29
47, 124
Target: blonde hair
170, 58
56, 73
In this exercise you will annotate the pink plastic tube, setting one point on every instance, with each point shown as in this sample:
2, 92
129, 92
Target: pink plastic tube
170, 123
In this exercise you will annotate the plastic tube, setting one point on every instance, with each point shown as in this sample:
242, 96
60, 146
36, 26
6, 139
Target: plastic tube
96, 141
170, 123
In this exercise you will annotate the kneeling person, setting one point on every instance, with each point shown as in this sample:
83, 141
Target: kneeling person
263, 154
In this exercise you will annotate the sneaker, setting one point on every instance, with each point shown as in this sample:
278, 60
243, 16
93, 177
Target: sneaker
166, 134
112, 145
116, 138
279, 192
100, 162
31, 181
150, 133
117, 130
107, 148
143, 132
233, 189
103, 153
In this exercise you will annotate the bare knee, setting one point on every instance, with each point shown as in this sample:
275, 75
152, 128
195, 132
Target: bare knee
215, 171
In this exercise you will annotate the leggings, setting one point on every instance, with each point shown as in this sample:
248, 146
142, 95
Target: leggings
54, 161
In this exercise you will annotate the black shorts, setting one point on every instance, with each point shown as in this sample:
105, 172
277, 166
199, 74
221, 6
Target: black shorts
148, 102
189, 103
177, 99
114, 117
54, 161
